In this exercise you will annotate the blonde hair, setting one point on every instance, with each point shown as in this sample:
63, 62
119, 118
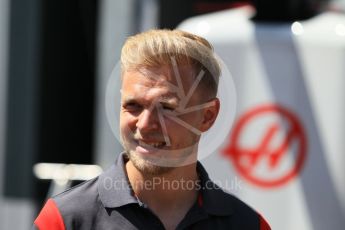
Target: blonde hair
156, 48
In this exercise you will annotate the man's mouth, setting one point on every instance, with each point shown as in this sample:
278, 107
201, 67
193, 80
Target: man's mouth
153, 144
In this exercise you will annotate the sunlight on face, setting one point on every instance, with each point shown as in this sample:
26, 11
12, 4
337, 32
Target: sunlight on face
159, 130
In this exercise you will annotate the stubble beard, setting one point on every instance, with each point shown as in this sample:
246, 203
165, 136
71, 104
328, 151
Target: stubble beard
146, 167
160, 165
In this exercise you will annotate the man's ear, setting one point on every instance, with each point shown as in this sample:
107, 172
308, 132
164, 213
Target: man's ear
210, 114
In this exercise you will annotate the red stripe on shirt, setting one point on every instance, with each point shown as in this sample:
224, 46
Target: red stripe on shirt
50, 217
200, 200
263, 224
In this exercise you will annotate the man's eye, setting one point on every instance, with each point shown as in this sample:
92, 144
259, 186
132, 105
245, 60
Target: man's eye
169, 108
132, 107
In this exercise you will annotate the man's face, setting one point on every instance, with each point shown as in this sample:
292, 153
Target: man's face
161, 118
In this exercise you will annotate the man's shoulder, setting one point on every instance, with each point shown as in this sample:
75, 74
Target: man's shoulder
244, 215
235, 212
223, 203
80, 197
237, 205
75, 206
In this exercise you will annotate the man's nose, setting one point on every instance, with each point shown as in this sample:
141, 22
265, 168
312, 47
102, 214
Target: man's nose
148, 121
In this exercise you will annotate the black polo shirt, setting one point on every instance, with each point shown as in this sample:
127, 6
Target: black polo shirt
108, 202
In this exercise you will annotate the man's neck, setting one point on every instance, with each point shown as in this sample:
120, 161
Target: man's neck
169, 195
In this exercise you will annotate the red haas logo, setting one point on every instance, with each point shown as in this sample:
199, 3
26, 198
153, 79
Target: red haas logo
268, 146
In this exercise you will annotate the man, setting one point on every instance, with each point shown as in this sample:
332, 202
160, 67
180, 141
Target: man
168, 99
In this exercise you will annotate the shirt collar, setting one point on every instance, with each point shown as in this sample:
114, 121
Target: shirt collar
214, 200
115, 190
